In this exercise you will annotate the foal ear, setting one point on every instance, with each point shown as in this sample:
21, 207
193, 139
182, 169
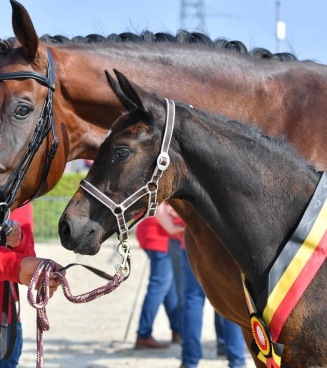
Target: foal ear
142, 99
129, 104
24, 29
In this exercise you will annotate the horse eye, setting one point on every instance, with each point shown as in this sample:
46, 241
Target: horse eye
122, 152
22, 111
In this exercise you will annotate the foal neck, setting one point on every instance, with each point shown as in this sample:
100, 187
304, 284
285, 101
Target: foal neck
249, 189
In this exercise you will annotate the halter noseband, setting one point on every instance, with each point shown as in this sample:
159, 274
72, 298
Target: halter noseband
43, 126
118, 210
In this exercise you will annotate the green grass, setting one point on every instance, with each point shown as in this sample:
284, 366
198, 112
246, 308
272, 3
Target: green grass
47, 210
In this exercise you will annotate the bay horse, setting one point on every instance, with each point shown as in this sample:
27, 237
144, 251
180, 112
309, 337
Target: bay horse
249, 189
281, 97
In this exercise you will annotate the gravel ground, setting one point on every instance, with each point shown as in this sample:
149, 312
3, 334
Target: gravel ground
102, 333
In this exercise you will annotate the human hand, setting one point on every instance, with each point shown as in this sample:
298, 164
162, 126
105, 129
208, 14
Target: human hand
14, 238
27, 267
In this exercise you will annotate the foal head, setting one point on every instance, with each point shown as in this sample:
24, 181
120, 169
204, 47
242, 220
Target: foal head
125, 163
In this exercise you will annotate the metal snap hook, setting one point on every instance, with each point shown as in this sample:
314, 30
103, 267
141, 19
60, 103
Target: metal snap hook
123, 250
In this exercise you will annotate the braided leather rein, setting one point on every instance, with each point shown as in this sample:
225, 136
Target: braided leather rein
42, 276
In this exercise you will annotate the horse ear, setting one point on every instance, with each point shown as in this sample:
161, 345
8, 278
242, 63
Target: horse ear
135, 93
129, 104
24, 29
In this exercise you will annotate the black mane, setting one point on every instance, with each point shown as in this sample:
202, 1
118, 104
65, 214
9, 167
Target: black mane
251, 132
182, 36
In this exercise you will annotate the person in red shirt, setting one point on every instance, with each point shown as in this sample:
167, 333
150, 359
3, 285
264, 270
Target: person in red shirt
17, 264
152, 235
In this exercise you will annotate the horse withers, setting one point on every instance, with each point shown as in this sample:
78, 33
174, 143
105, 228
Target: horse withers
249, 189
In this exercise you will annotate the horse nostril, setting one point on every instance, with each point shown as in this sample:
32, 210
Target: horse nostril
64, 231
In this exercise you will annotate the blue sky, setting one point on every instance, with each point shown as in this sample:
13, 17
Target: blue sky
250, 21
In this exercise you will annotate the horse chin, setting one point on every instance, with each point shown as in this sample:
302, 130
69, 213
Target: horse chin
91, 244
87, 249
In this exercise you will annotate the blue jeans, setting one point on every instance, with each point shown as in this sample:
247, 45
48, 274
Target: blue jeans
230, 336
13, 361
161, 289
192, 316
176, 258
194, 298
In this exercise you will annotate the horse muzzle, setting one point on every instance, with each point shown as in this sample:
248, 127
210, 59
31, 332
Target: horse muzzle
80, 237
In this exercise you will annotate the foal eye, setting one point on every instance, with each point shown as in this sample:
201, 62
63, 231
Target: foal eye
22, 112
122, 152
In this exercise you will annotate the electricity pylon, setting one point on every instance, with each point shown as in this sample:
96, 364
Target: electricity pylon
192, 14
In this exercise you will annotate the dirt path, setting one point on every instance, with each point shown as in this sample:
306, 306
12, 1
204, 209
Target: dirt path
96, 334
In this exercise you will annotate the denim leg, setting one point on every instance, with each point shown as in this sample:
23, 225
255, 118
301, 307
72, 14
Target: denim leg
219, 327
234, 344
160, 281
176, 258
171, 306
192, 316
13, 361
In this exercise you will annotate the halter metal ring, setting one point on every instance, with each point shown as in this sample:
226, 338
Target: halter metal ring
161, 157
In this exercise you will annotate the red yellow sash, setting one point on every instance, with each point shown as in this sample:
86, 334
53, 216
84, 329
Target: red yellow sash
288, 278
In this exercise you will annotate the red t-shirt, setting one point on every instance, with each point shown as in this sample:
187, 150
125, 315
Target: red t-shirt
10, 259
180, 222
151, 235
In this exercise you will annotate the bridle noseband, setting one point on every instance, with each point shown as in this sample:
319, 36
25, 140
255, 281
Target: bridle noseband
151, 188
43, 126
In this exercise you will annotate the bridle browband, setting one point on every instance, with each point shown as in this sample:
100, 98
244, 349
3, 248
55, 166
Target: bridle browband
43, 126
151, 187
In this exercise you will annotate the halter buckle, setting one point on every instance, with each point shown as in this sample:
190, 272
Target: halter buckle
162, 157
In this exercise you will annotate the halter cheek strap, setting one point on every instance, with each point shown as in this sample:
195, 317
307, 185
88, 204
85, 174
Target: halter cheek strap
118, 210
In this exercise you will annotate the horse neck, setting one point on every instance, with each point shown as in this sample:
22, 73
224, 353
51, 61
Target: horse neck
189, 73
250, 192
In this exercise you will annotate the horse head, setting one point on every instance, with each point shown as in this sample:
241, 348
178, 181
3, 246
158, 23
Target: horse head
125, 163
23, 94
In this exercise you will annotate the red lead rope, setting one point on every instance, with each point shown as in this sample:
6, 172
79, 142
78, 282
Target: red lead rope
42, 273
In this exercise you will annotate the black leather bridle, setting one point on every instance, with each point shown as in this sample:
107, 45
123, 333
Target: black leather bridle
43, 126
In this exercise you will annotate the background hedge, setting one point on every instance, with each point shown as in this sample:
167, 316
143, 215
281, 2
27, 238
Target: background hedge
67, 186
47, 209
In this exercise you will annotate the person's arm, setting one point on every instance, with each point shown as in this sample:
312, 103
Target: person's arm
167, 223
9, 264
21, 239
15, 265
10, 259
19, 268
